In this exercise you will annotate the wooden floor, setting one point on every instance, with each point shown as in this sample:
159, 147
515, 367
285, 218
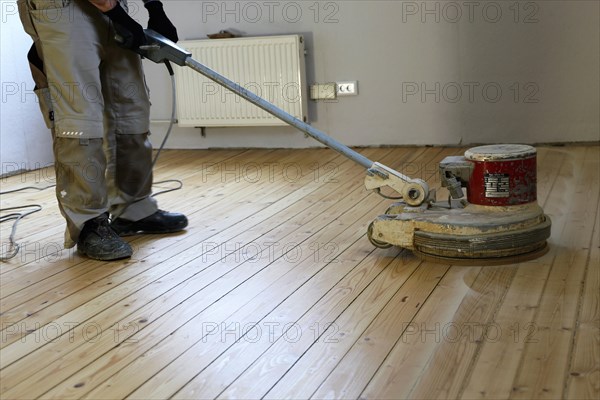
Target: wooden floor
275, 292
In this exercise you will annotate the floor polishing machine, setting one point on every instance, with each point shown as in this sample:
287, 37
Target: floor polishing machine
499, 221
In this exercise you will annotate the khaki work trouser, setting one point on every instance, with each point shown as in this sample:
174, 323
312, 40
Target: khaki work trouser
94, 99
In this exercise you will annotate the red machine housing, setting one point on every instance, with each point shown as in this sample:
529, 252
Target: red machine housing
502, 175
499, 222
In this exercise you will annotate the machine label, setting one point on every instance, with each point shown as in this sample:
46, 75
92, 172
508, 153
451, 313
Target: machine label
496, 185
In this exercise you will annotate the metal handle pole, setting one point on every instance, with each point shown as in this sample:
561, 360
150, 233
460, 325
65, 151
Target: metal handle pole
279, 113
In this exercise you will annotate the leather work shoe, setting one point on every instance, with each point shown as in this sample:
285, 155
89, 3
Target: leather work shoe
99, 241
159, 222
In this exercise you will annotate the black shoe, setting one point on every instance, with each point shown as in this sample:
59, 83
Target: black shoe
159, 222
99, 241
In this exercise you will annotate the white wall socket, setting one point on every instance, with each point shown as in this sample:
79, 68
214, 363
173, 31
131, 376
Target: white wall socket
349, 88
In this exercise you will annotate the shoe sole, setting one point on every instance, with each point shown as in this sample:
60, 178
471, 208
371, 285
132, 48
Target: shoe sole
146, 232
104, 258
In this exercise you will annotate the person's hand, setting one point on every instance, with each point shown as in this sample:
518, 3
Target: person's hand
159, 22
131, 34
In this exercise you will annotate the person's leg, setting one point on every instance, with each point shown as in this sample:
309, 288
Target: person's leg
65, 63
129, 150
127, 111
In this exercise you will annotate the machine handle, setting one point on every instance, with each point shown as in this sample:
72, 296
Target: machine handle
160, 49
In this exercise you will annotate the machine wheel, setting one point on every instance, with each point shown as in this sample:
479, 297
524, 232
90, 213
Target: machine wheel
375, 242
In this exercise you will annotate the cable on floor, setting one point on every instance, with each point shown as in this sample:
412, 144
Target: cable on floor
13, 247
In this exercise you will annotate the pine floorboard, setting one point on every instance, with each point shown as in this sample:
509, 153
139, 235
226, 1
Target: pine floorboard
274, 292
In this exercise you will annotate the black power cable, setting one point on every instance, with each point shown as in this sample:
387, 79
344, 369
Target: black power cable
13, 247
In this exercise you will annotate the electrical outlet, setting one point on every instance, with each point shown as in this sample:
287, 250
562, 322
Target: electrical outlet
349, 88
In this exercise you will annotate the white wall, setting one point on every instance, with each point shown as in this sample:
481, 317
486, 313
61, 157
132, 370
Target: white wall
25, 143
410, 59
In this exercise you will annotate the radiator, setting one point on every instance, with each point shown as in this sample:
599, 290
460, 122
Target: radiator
272, 67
